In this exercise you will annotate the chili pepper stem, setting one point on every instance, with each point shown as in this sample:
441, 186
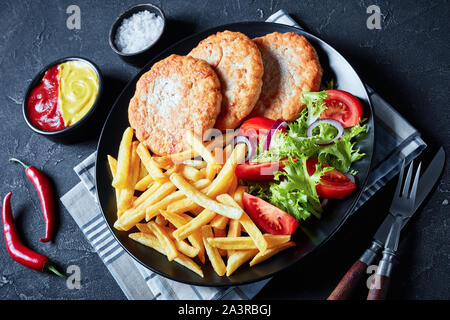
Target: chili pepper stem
51, 268
18, 161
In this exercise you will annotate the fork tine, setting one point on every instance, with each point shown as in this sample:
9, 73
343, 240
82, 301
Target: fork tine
408, 180
412, 195
400, 180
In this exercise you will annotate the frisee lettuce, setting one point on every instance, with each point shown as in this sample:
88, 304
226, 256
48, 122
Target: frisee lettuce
294, 142
293, 190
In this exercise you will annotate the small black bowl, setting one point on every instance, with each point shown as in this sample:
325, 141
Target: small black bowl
78, 130
127, 14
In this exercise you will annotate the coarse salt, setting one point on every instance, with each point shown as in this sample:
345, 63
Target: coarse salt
138, 32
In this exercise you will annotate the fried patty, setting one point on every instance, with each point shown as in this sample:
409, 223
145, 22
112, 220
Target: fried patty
238, 63
291, 66
177, 94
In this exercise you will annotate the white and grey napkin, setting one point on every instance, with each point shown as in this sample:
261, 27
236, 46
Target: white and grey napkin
396, 139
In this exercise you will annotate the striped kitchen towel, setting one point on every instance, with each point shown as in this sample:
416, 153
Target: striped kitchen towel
396, 140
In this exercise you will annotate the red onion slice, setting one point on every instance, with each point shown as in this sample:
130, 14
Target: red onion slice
332, 122
324, 202
277, 125
251, 148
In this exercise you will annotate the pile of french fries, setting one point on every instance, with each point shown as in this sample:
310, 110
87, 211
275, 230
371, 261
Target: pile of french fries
189, 205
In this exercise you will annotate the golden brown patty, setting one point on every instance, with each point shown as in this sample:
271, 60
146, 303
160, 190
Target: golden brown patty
291, 66
237, 61
177, 94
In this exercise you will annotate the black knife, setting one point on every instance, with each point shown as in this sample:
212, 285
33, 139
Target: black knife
358, 270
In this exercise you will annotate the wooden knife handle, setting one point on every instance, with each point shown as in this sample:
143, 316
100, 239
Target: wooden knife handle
349, 282
379, 288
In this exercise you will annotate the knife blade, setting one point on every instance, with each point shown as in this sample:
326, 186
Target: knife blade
426, 183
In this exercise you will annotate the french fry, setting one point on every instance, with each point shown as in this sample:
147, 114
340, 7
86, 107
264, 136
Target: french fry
127, 193
186, 249
213, 167
190, 264
172, 169
233, 185
227, 152
164, 162
204, 172
143, 171
202, 200
132, 216
238, 258
197, 164
154, 209
239, 195
222, 181
113, 167
220, 233
182, 205
143, 183
191, 173
234, 230
213, 254
218, 155
219, 222
260, 257
199, 147
164, 239
219, 141
181, 245
247, 223
253, 231
151, 166
161, 220
151, 241
144, 196
187, 229
244, 243
198, 243
123, 160
196, 211
178, 220
211, 171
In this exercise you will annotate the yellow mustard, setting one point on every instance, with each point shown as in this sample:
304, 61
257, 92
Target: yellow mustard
78, 88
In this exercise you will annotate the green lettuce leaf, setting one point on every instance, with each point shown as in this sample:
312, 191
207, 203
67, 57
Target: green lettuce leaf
294, 190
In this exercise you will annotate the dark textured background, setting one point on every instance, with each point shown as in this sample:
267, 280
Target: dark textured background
407, 62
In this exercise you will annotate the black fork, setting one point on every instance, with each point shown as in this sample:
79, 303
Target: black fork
402, 207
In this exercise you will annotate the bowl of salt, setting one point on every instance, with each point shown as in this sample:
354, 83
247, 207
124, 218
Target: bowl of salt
137, 30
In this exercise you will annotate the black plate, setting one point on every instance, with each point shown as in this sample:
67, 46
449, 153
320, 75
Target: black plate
312, 234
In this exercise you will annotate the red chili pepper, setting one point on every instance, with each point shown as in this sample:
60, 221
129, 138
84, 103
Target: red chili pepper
44, 189
16, 248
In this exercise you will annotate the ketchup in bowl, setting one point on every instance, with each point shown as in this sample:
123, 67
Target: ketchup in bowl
64, 96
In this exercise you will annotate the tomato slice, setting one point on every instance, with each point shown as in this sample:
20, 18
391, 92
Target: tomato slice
335, 185
267, 217
260, 171
257, 127
343, 107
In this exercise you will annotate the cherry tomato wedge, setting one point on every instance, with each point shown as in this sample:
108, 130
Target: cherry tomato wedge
267, 217
343, 107
335, 185
257, 127
260, 171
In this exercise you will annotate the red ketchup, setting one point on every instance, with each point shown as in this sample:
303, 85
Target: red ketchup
42, 105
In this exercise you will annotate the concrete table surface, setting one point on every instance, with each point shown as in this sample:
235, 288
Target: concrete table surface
407, 61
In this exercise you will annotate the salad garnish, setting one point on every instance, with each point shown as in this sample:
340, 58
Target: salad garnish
294, 186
